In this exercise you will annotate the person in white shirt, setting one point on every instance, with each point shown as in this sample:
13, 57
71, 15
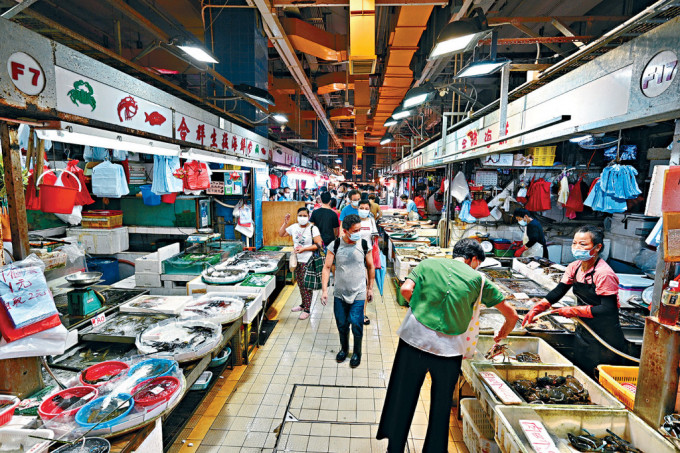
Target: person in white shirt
368, 232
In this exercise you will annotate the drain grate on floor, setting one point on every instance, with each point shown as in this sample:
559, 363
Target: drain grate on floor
332, 418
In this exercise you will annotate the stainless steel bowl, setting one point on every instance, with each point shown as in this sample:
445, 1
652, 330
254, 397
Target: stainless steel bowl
80, 279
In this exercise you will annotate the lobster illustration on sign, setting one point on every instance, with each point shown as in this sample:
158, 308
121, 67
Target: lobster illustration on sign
129, 106
82, 93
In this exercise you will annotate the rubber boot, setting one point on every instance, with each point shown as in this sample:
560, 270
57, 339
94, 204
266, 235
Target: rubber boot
356, 357
344, 348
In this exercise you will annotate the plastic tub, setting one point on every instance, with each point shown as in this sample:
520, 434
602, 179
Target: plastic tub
7, 413
478, 433
517, 345
91, 443
49, 408
169, 198
203, 381
119, 399
611, 377
107, 266
559, 422
113, 368
221, 358
149, 198
158, 390
102, 219
161, 367
501, 244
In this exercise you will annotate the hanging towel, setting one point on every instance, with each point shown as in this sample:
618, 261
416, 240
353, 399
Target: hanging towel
563, 194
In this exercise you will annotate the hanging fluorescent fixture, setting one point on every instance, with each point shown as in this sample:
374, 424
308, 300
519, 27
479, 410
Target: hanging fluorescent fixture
257, 94
76, 134
580, 139
461, 35
482, 68
401, 113
338, 161
280, 118
418, 95
216, 158
387, 138
390, 122
197, 52
301, 140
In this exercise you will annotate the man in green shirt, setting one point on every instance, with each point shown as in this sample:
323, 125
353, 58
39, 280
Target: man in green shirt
434, 337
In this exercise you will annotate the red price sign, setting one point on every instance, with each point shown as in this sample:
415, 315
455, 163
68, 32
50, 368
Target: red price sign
99, 319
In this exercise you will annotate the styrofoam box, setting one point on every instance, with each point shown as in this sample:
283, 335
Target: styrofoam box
268, 289
153, 262
148, 280
631, 224
197, 287
631, 285
101, 242
625, 248
252, 309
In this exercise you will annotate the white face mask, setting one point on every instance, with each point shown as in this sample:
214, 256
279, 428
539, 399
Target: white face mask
363, 213
355, 203
303, 220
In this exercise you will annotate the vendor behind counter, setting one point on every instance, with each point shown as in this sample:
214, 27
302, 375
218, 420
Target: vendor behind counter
534, 243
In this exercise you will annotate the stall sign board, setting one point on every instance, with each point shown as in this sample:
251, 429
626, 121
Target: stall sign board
659, 73
500, 388
194, 131
538, 436
26, 73
82, 96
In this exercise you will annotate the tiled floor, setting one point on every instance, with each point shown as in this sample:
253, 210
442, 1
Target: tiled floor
327, 406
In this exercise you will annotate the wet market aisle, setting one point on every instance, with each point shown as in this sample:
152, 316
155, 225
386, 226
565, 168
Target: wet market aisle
328, 407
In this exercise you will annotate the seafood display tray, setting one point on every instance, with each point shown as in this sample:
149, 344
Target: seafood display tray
559, 422
554, 326
491, 320
112, 330
510, 373
517, 345
87, 354
526, 286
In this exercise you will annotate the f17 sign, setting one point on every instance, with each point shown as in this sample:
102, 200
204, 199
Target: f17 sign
659, 73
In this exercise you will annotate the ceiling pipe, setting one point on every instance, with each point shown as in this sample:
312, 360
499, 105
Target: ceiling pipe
283, 46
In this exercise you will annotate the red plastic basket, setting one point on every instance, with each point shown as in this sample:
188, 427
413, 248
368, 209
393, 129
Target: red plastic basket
49, 408
158, 390
7, 413
110, 368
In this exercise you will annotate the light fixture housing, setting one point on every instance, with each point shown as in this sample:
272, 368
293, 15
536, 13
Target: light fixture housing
580, 138
418, 95
338, 161
257, 94
280, 118
400, 113
390, 122
482, 68
217, 158
197, 52
461, 35
387, 138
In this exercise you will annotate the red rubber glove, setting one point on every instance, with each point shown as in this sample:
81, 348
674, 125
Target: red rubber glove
536, 310
520, 250
582, 311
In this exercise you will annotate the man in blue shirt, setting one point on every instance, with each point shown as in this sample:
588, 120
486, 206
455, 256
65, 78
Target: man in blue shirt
354, 196
411, 208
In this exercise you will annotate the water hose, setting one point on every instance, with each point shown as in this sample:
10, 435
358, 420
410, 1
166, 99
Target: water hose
604, 343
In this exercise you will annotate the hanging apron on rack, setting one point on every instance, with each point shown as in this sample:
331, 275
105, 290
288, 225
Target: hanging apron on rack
535, 250
591, 352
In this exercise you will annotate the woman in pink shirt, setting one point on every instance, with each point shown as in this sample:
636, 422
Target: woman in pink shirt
596, 288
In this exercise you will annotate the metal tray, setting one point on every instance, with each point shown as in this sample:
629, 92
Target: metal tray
108, 333
526, 286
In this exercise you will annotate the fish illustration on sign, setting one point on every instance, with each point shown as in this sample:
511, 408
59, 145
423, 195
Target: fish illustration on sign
154, 118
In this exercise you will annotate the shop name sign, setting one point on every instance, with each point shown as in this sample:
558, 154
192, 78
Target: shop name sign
659, 73
25, 73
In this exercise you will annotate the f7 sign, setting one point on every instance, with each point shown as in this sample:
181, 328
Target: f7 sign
659, 73
25, 73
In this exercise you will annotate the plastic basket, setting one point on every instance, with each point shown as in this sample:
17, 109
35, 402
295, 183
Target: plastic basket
7, 414
544, 156
559, 422
504, 253
611, 378
517, 345
478, 433
102, 219
149, 198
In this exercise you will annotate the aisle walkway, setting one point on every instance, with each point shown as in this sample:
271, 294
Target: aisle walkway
328, 407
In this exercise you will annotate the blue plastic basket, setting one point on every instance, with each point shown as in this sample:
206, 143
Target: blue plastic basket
169, 367
150, 198
83, 414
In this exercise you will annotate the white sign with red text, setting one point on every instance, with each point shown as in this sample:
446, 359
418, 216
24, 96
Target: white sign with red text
538, 436
500, 388
99, 319
25, 73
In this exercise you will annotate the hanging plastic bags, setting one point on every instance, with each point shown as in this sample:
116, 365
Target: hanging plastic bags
197, 176
597, 200
459, 187
108, 180
465, 212
95, 154
618, 181
479, 209
83, 198
164, 179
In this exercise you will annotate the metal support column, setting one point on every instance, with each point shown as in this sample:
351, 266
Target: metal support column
505, 84
18, 224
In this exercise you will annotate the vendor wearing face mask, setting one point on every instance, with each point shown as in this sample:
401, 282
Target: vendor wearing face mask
353, 198
286, 196
596, 288
534, 237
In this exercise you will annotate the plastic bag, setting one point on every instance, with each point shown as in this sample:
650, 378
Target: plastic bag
465, 213
48, 342
24, 293
459, 187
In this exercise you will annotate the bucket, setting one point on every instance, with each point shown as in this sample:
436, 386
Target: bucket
169, 198
58, 199
107, 266
150, 198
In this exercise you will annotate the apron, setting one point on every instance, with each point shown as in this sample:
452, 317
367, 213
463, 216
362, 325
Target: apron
606, 327
534, 250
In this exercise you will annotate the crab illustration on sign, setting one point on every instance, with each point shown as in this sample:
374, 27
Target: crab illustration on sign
154, 118
128, 106
82, 93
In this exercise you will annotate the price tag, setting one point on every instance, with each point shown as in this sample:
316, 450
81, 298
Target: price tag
520, 296
157, 390
538, 436
99, 319
500, 388
533, 265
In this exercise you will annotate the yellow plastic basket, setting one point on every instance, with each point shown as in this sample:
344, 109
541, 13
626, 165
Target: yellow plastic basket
544, 156
611, 378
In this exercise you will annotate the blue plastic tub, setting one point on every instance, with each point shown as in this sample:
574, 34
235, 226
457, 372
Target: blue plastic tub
150, 198
221, 358
163, 367
107, 266
84, 412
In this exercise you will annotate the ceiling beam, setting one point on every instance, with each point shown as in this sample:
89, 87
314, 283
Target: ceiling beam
529, 66
343, 3
529, 32
563, 19
565, 30
16, 9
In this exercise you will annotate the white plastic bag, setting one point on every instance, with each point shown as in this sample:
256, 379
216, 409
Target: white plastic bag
459, 187
47, 342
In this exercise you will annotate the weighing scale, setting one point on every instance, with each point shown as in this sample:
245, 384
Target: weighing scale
84, 300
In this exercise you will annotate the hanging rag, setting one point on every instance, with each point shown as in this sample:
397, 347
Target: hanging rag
165, 180
539, 196
563, 194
